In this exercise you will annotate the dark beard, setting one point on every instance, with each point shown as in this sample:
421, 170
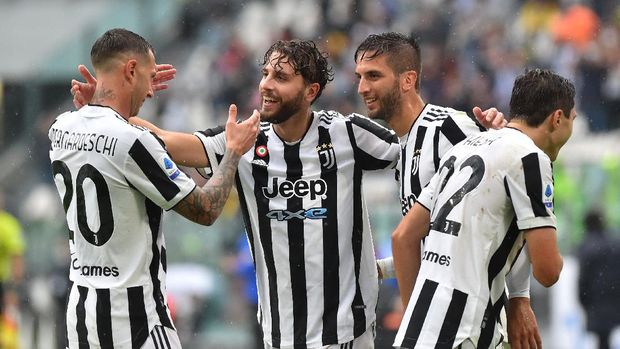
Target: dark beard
286, 111
389, 104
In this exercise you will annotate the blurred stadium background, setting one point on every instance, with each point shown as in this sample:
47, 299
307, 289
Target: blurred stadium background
472, 50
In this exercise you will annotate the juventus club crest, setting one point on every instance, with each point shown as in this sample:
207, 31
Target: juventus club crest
415, 161
327, 156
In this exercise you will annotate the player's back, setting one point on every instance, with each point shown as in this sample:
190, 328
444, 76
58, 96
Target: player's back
114, 179
477, 202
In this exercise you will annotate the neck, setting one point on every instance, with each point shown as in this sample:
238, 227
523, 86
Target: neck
409, 112
293, 129
109, 93
539, 135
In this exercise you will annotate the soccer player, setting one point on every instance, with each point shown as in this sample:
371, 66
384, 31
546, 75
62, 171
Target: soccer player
388, 67
493, 191
114, 179
301, 195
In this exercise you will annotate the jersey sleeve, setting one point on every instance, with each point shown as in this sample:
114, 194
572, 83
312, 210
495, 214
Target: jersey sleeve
529, 184
375, 146
214, 143
427, 196
457, 126
149, 168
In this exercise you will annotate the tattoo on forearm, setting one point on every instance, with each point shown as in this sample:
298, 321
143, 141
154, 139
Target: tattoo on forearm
102, 95
206, 204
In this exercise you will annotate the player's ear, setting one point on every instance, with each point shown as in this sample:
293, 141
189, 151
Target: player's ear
131, 69
408, 80
312, 90
555, 118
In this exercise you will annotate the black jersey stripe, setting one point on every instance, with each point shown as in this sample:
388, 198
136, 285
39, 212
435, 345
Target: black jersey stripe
420, 311
496, 264
260, 175
374, 128
138, 321
331, 254
533, 184
154, 214
104, 319
414, 178
67, 307
297, 264
357, 235
80, 309
166, 187
436, 156
452, 131
452, 320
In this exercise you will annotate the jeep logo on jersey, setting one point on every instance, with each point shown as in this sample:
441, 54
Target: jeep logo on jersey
327, 156
299, 188
171, 169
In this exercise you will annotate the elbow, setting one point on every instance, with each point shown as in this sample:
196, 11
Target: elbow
550, 274
398, 237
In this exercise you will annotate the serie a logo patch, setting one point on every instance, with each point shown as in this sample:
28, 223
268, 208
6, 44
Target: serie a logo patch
169, 167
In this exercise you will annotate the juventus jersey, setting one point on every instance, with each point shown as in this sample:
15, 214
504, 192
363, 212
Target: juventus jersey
114, 179
433, 133
488, 189
308, 226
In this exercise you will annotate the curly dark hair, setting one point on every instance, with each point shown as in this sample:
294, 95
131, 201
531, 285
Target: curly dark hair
403, 52
537, 93
116, 41
305, 58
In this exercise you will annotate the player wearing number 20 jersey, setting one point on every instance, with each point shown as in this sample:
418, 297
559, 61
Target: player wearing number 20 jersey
114, 179
487, 190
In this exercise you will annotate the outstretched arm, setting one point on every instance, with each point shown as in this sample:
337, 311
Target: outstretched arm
204, 205
406, 248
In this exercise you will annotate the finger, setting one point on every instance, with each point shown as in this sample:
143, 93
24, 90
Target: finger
86, 74
232, 114
477, 112
164, 66
160, 87
538, 340
165, 76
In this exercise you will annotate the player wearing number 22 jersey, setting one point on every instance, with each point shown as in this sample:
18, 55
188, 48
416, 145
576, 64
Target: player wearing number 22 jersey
114, 179
458, 291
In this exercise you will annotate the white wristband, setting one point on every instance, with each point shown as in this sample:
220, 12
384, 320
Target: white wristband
386, 265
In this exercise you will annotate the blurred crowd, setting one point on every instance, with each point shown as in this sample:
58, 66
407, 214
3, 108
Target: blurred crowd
471, 50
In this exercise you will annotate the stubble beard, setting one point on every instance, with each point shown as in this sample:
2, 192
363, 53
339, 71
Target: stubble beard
286, 110
388, 104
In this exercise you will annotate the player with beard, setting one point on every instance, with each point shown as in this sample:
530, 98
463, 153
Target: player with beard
388, 67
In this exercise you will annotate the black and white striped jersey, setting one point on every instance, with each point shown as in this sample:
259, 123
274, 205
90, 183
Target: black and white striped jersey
308, 227
488, 189
433, 133
114, 179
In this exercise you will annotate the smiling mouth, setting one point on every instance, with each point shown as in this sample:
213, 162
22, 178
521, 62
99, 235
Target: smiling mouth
269, 101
